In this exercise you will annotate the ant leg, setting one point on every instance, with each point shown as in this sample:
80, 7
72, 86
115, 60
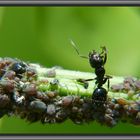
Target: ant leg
107, 77
104, 51
84, 82
105, 58
108, 84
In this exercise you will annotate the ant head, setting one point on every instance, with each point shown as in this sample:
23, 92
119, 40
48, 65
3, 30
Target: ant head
95, 59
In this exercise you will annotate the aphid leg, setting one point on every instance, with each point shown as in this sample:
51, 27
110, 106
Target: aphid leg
75, 47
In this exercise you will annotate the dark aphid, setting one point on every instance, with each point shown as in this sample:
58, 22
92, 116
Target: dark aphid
30, 90
51, 109
137, 84
30, 72
37, 106
87, 108
51, 73
61, 116
129, 80
19, 68
74, 109
23, 114
33, 117
67, 101
7, 85
97, 61
9, 74
109, 120
4, 100
127, 87
52, 94
4, 64
16, 98
2, 68
42, 96
118, 87
54, 85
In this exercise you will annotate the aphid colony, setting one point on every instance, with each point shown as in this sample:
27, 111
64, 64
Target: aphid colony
20, 96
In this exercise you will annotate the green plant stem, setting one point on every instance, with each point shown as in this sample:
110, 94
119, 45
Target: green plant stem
68, 82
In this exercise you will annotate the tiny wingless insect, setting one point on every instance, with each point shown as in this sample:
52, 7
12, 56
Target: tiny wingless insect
97, 61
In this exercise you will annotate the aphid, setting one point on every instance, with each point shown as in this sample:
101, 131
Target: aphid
9, 74
122, 101
97, 61
54, 85
117, 88
19, 68
33, 117
67, 101
52, 94
30, 89
4, 100
51, 73
51, 109
42, 96
37, 106
16, 98
137, 84
61, 116
30, 72
7, 85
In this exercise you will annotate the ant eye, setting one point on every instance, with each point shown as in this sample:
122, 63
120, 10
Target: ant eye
96, 57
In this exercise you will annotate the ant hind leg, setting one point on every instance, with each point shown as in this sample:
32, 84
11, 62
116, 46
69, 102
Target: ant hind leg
107, 78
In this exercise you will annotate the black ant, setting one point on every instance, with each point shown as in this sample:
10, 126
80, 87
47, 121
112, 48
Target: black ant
97, 61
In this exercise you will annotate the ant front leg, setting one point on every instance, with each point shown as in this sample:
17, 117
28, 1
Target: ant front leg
84, 82
103, 54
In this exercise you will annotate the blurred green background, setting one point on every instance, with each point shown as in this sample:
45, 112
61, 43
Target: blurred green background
41, 35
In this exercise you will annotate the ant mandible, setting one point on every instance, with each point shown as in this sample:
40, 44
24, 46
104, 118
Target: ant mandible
97, 61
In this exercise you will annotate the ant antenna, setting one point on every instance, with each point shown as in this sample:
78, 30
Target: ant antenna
75, 47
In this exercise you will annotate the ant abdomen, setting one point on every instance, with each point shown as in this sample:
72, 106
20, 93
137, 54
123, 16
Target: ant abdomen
99, 95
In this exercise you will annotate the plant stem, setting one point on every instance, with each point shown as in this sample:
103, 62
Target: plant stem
68, 82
